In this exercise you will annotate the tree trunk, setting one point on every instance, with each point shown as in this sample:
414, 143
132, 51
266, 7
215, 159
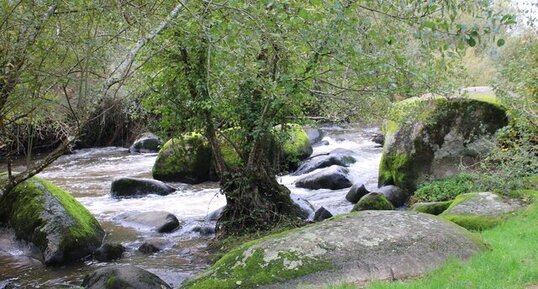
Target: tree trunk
255, 202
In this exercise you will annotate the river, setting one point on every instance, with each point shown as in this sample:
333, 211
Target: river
87, 175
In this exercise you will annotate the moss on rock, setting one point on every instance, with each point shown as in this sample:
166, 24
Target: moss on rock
295, 145
245, 267
373, 201
186, 159
432, 208
429, 137
52, 219
479, 211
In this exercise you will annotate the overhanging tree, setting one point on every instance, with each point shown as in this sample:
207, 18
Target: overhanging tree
248, 67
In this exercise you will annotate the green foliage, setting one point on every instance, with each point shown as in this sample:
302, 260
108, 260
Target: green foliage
446, 189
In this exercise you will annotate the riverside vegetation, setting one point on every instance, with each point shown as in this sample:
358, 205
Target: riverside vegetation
230, 85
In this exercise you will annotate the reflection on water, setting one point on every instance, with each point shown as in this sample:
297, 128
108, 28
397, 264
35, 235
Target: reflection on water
88, 173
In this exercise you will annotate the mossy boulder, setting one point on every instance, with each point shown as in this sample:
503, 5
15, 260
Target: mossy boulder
186, 159
478, 211
295, 145
123, 276
429, 137
353, 248
47, 216
373, 201
433, 208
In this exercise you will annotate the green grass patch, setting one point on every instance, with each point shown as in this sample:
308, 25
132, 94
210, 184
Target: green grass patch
512, 261
445, 189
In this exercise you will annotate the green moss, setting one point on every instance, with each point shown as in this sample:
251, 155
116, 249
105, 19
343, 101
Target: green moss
433, 208
27, 201
396, 169
184, 159
246, 268
475, 222
472, 221
85, 224
295, 144
373, 201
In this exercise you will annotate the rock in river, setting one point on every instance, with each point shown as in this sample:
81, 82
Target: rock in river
356, 192
340, 157
44, 214
146, 143
354, 248
333, 177
133, 187
160, 221
120, 276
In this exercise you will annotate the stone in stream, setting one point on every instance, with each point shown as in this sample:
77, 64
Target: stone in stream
186, 159
314, 134
148, 248
354, 248
479, 211
50, 218
215, 215
305, 207
146, 143
394, 194
373, 201
109, 252
378, 138
160, 221
340, 157
356, 192
334, 178
429, 137
322, 214
204, 230
123, 276
136, 187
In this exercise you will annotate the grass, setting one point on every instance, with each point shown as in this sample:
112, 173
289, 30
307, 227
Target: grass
512, 261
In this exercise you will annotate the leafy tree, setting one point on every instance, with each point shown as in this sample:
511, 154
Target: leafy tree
58, 61
248, 66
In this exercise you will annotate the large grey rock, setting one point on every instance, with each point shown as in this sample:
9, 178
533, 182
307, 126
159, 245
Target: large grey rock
124, 277
355, 248
394, 194
333, 177
480, 210
146, 143
50, 218
429, 137
340, 157
160, 221
136, 187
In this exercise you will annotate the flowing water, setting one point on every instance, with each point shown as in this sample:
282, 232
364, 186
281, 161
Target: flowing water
88, 173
